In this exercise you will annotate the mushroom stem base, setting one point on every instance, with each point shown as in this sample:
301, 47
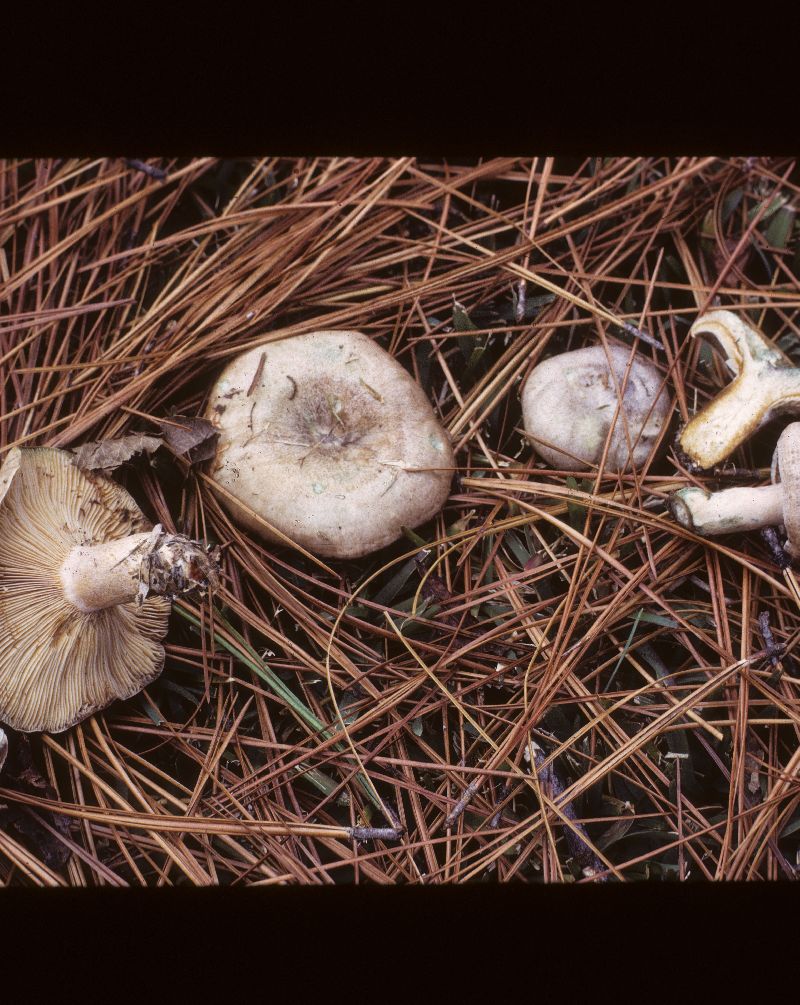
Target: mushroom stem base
118, 572
729, 511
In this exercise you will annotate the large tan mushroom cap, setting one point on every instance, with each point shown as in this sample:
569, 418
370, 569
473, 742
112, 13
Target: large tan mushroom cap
320, 434
59, 664
569, 401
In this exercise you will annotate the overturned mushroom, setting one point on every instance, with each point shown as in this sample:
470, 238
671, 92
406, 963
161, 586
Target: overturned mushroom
569, 403
330, 441
743, 509
84, 591
765, 384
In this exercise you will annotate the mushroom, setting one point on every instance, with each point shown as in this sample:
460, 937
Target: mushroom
79, 627
569, 403
765, 384
326, 440
3, 748
743, 509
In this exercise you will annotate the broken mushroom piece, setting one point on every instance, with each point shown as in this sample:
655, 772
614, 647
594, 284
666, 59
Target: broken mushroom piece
744, 508
765, 384
330, 441
84, 591
569, 403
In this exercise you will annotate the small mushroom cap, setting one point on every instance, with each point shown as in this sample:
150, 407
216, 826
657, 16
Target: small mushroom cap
59, 664
788, 456
324, 435
569, 401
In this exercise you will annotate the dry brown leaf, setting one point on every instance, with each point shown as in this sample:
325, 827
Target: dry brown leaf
108, 455
192, 436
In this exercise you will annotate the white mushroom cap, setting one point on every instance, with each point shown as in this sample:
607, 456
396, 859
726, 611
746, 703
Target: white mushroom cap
331, 441
58, 662
569, 401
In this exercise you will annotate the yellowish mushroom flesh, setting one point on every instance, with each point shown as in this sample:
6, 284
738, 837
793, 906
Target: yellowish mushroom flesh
327, 440
765, 384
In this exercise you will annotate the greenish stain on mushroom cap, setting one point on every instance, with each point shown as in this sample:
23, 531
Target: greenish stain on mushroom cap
332, 423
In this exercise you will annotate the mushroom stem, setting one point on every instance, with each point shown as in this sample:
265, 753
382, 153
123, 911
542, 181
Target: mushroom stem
737, 509
765, 384
117, 572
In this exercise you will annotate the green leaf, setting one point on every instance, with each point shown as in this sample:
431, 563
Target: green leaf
322, 782
780, 227
637, 618
791, 828
730, 203
471, 348
576, 512
183, 691
619, 828
414, 538
151, 710
386, 594
245, 653
521, 553
775, 204
658, 619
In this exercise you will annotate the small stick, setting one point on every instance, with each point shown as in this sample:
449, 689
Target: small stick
734, 472
463, 802
505, 788
148, 169
578, 847
774, 649
258, 374
779, 556
519, 311
638, 333
375, 833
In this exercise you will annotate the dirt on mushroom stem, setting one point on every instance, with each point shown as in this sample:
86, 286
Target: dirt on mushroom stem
85, 583
130, 568
278, 598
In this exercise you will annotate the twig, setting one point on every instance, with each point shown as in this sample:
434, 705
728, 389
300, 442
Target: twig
505, 788
779, 556
152, 172
375, 833
578, 846
463, 802
638, 333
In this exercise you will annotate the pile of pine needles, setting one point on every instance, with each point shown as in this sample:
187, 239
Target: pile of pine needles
550, 682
